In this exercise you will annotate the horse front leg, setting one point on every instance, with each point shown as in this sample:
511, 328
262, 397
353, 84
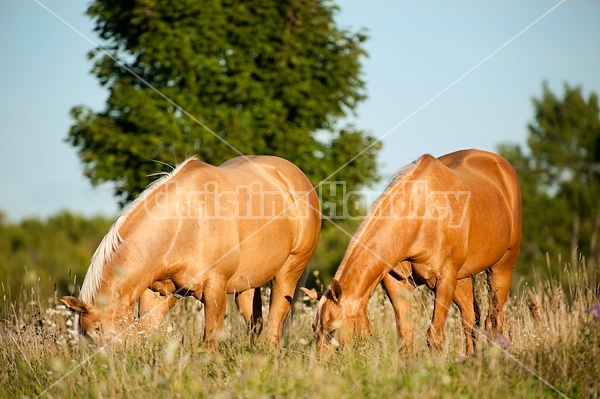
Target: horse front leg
154, 307
444, 291
214, 298
464, 299
399, 292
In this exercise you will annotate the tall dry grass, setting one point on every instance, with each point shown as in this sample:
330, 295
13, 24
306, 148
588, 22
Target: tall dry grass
550, 349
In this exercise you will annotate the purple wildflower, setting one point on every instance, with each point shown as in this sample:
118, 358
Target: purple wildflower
503, 342
595, 309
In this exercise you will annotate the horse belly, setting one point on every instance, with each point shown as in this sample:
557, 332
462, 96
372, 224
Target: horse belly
256, 270
484, 254
261, 258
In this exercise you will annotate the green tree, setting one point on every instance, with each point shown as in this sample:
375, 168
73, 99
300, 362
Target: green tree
560, 177
331, 249
267, 77
48, 253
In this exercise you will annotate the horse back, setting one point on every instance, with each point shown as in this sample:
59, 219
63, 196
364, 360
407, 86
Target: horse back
493, 213
485, 172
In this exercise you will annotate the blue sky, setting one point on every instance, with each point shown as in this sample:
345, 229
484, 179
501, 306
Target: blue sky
422, 97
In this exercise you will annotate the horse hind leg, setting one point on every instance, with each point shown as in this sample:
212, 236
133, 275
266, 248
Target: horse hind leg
499, 277
295, 300
249, 304
282, 294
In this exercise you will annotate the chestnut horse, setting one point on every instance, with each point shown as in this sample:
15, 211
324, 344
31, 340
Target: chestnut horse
439, 222
205, 231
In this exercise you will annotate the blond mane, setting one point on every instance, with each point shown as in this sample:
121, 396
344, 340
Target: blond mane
401, 175
112, 241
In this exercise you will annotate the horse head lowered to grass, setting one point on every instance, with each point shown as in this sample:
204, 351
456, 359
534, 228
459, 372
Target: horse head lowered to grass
205, 231
439, 222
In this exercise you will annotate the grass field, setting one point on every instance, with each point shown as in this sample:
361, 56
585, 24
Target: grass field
551, 349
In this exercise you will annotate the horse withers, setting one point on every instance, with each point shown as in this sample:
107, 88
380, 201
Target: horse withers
205, 231
439, 222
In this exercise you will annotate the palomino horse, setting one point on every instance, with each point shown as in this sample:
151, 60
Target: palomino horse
439, 222
205, 231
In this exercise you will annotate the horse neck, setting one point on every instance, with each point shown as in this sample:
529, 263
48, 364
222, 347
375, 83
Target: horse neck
122, 283
375, 249
127, 272
125, 262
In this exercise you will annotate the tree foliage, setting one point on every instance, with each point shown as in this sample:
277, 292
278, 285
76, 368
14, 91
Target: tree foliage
333, 242
220, 78
560, 177
48, 252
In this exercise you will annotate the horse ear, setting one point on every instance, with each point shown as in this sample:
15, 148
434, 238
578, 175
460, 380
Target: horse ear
336, 290
76, 305
314, 294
